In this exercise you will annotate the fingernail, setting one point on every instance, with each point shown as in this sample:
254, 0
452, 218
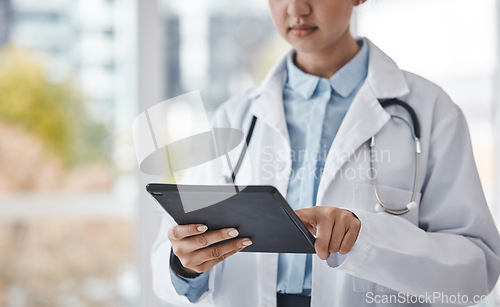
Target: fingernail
233, 233
247, 242
202, 228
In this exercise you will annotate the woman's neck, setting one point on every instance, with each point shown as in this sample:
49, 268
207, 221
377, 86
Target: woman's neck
327, 62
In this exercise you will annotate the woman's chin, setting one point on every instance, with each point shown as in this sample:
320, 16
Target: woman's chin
304, 45
305, 48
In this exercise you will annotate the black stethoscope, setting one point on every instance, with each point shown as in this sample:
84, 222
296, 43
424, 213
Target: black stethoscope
414, 126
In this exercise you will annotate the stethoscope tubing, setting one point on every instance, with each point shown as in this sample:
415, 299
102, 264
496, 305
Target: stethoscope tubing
415, 130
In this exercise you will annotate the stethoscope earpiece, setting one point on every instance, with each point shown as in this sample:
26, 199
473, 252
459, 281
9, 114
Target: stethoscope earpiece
379, 208
411, 206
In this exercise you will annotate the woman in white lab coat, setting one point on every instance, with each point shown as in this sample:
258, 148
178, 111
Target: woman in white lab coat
446, 250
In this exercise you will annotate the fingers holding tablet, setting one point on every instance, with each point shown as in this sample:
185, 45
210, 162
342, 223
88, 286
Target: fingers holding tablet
199, 250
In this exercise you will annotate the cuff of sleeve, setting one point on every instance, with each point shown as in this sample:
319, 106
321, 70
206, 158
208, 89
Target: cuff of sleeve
192, 288
353, 260
177, 267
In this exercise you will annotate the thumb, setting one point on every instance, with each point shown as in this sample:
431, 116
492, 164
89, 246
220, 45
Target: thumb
306, 214
307, 217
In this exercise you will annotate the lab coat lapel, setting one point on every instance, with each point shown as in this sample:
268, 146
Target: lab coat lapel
268, 105
365, 116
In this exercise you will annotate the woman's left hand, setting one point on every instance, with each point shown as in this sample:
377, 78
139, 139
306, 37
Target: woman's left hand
336, 229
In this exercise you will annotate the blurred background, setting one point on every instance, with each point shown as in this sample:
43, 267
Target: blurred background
76, 225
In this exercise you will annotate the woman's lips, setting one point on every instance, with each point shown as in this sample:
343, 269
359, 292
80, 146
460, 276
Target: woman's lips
302, 30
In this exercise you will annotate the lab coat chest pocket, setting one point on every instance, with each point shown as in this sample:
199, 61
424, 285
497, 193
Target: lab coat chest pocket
394, 198
363, 285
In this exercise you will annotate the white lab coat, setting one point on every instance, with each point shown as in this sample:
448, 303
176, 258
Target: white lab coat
449, 245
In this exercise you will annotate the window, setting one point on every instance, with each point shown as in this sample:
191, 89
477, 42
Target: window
67, 166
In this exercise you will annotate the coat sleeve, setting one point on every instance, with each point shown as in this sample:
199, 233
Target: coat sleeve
160, 251
162, 280
456, 246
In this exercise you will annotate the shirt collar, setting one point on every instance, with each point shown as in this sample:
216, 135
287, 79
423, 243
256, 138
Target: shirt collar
343, 82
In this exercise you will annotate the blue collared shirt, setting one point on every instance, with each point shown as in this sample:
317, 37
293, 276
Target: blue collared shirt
314, 109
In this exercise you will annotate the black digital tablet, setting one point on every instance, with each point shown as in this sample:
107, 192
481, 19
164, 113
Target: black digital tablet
258, 212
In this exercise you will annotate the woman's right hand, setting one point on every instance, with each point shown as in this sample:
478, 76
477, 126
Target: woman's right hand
196, 247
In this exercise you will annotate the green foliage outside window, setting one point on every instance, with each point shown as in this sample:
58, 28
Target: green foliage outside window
51, 111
